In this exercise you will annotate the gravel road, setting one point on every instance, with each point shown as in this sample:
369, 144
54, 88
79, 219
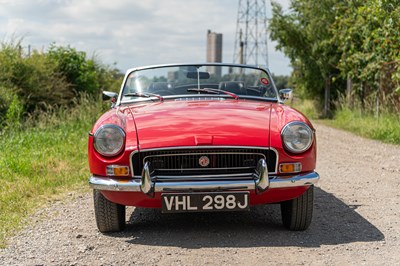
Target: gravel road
356, 222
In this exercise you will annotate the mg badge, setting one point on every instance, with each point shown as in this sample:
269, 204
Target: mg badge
204, 161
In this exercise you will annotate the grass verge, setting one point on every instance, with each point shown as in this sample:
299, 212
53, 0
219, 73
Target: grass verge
307, 107
385, 128
43, 161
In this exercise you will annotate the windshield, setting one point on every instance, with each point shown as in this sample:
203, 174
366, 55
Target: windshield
186, 80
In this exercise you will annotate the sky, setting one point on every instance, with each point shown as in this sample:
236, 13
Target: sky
130, 33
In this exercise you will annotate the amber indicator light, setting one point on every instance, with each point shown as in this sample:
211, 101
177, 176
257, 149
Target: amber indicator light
290, 167
117, 170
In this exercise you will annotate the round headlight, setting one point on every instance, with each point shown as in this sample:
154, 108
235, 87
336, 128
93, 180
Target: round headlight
109, 140
297, 137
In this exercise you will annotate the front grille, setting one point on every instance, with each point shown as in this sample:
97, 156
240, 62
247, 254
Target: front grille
215, 161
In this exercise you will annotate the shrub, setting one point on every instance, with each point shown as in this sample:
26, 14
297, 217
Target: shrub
42, 81
34, 79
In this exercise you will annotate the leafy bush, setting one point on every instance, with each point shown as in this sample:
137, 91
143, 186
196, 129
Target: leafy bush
33, 79
84, 75
42, 81
79, 72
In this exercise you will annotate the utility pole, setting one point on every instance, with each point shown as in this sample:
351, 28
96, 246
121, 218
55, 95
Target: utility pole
251, 33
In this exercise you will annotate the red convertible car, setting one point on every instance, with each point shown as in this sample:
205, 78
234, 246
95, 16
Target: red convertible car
201, 138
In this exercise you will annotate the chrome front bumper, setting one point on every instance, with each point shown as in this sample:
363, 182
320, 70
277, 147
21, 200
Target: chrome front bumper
146, 184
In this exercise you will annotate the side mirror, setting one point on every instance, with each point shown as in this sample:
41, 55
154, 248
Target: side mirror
285, 94
107, 95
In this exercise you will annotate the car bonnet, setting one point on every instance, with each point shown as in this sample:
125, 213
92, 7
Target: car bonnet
202, 123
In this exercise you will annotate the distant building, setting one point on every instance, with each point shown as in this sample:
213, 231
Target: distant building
214, 51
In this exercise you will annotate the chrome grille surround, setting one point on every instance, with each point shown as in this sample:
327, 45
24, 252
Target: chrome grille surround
226, 162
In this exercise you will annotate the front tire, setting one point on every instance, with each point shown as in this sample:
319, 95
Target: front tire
297, 213
110, 216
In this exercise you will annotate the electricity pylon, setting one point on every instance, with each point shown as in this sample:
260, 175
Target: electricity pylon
251, 34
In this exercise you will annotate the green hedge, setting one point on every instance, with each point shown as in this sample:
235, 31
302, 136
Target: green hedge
44, 80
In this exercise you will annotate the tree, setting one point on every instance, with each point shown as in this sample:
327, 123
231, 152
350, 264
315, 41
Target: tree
329, 41
367, 35
304, 36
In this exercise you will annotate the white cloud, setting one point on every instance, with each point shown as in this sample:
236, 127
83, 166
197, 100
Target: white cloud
131, 33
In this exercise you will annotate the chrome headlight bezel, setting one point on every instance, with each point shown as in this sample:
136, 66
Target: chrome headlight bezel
116, 140
297, 137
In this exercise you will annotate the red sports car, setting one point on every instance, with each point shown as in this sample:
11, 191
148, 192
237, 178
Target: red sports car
201, 138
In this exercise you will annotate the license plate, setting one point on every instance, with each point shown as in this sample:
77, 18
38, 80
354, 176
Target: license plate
205, 202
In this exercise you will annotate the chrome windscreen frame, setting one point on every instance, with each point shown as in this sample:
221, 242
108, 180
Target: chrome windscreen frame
266, 70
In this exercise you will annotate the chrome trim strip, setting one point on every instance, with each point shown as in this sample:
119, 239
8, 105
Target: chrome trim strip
198, 97
216, 176
114, 184
134, 185
295, 181
204, 169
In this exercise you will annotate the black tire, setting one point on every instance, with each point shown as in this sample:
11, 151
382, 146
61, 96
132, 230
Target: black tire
110, 216
297, 213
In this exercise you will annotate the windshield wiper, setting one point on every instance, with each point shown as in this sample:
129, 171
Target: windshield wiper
215, 91
147, 95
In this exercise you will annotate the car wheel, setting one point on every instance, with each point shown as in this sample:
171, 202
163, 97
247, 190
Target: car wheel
297, 213
110, 216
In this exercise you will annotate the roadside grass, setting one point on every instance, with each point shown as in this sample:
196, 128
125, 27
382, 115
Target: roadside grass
307, 107
385, 127
42, 160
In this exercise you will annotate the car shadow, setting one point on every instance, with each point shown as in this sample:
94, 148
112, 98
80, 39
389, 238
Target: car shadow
334, 222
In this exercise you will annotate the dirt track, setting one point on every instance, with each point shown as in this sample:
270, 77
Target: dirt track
356, 221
